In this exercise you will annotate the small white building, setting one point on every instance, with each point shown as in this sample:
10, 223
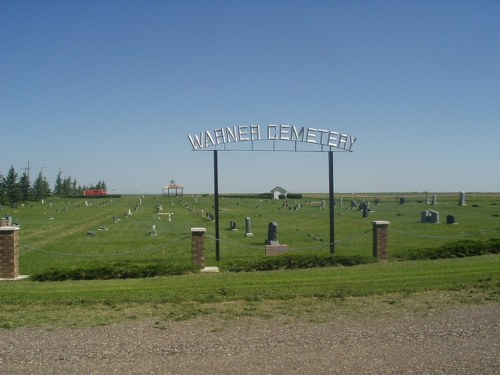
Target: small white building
278, 191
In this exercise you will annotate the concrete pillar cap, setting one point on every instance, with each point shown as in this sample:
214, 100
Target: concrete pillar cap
9, 229
198, 229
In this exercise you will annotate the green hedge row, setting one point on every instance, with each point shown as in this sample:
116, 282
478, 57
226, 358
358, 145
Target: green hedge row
111, 271
459, 249
295, 261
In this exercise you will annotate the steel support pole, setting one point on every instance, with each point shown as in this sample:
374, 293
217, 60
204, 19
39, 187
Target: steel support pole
331, 202
216, 206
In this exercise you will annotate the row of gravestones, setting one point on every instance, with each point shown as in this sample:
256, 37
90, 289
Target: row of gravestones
433, 201
431, 216
272, 230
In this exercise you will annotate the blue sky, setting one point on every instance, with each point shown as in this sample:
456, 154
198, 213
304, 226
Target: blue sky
110, 90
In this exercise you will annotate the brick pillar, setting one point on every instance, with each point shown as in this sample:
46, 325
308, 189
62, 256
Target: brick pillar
380, 239
198, 247
9, 252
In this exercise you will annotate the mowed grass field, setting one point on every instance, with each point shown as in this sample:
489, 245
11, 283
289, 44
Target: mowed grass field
55, 235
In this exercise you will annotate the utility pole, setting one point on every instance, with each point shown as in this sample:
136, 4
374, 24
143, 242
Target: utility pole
27, 169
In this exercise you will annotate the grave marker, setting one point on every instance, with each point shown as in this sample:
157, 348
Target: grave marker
272, 234
450, 219
461, 201
434, 199
248, 227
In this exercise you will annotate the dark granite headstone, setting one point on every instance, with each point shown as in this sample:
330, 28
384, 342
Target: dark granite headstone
272, 234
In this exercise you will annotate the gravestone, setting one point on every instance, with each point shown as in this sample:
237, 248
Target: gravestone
402, 200
366, 209
248, 227
353, 204
461, 201
434, 217
232, 226
434, 199
272, 234
430, 216
153, 230
450, 219
323, 204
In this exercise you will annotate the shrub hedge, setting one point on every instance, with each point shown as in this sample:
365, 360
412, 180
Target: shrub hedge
292, 261
458, 249
111, 271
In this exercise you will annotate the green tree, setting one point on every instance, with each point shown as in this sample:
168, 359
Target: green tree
66, 186
58, 187
41, 189
101, 185
3, 191
25, 187
12, 186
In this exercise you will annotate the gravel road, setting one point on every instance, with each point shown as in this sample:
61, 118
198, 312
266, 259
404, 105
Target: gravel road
458, 340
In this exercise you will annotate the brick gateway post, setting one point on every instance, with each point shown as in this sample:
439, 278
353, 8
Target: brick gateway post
198, 246
9, 252
380, 239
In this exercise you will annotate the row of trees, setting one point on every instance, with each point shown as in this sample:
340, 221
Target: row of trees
15, 188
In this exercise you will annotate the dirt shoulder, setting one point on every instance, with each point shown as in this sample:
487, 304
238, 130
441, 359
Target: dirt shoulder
461, 339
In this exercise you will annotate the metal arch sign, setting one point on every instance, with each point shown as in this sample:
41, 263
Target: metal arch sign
210, 139
326, 140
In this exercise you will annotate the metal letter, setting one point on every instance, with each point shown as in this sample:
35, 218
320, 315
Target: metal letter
209, 139
232, 135
272, 132
219, 135
322, 132
311, 135
333, 140
196, 142
243, 132
255, 132
343, 140
285, 133
297, 136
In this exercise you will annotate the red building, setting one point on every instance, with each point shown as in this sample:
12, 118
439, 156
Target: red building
95, 192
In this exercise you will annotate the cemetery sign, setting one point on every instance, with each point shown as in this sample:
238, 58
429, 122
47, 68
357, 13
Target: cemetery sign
251, 133
315, 138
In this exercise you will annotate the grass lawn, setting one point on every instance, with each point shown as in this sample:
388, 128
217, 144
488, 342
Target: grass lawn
474, 279
55, 236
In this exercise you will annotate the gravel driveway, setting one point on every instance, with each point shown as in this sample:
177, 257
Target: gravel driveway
458, 340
